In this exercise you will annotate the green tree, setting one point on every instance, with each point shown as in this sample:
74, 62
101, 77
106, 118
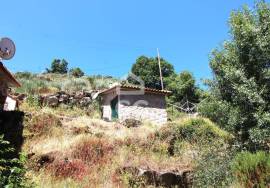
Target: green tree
183, 87
148, 70
58, 66
76, 72
241, 85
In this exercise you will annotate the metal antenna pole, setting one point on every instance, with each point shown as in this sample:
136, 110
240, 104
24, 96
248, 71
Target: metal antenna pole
160, 73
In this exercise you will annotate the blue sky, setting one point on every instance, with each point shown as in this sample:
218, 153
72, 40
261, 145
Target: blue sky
106, 37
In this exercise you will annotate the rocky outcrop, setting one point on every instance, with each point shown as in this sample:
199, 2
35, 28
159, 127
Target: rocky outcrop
80, 99
174, 178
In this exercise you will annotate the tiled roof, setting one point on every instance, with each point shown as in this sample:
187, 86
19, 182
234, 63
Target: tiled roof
133, 87
8, 77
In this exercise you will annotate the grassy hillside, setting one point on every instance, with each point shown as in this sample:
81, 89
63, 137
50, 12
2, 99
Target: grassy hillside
73, 147
50, 83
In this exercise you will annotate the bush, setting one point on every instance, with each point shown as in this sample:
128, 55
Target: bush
25, 75
33, 101
41, 124
76, 72
132, 123
93, 150
11, 169
199, 130
252, 169
213, 166
101, 82
75, 169
75, 84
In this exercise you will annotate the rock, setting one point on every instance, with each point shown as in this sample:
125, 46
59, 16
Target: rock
80, 99
85, 101
131, 123
150, 176
21, 97
64, 98
175, 178
51, 101
38, 162
169, 179
79, 95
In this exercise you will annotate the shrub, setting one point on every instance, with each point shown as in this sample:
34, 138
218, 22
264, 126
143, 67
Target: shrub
75, 169
32, 86
33, 100
100, 82
41, 124
199, 130
252, 169
131, 123
174, 114
129, 180
213, 166
75, 84
76, 72
25, 75
93, 150
11, 169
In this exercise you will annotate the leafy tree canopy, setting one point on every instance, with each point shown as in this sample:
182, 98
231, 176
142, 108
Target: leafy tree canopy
183, 87
241, 84
58, 66
148, 70
76, 72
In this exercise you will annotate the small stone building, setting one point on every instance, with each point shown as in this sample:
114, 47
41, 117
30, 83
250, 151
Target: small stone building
6, 81
131, 102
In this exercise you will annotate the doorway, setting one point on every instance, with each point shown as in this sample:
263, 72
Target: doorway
114, 108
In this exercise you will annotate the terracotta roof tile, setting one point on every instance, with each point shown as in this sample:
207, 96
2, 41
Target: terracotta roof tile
133, 87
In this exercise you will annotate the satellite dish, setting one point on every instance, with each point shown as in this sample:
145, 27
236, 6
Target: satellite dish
7, 48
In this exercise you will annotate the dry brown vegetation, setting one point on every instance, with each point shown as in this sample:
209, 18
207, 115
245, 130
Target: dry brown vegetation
85, 152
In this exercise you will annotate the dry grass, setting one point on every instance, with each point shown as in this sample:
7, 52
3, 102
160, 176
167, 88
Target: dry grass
91, 158
93, 151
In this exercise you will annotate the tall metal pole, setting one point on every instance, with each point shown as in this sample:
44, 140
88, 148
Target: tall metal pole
160, 72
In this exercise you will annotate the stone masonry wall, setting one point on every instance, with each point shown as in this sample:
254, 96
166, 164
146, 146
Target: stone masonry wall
148, 107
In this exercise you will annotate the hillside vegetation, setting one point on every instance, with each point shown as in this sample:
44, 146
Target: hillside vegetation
226, 143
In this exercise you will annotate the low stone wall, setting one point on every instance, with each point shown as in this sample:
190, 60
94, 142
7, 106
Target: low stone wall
81, 99
11, 126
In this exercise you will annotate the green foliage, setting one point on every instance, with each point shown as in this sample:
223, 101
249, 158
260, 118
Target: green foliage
183, 87
200, 131
132, 181
58, 66
76, 72
148, 70
174, 114
32, 100
241, 84
252, 169
11, 169
75, 84
31, 86
25, 75
98, 82
213, 166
